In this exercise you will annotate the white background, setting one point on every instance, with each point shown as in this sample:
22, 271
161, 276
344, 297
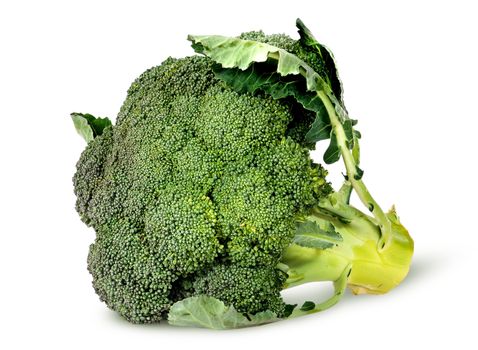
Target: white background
409, 74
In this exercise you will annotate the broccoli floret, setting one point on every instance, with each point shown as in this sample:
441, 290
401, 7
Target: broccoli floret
89, 172
128, 274
204, 197
249, 289
181, 225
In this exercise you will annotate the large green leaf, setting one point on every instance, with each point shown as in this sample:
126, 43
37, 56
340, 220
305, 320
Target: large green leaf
239, 53
208, 312
89, 126
250, 66
332, 153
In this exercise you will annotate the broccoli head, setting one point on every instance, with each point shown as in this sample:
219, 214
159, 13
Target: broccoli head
193, 176
205, 188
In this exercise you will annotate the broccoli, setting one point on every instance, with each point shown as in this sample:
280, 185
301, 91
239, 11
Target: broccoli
205, 200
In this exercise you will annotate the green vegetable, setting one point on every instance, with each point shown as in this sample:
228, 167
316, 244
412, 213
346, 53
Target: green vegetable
89, 126
210, 312
204, 198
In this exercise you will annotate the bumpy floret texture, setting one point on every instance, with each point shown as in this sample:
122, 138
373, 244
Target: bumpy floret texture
198, 186
247, 288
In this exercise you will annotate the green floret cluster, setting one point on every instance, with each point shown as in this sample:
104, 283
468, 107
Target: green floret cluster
195, 179
205, 200
247, 288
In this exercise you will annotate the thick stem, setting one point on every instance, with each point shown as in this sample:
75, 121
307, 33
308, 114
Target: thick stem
313, 265
353, 176
340, 285
370, 270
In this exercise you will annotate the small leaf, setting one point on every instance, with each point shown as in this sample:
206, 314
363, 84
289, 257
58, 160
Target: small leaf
307, 306
320, 128
82, 127
309, 234
305, 34
332, 153
208, 312
289, 308
359, 173
89, 126
343, 194
349, 132
356, 147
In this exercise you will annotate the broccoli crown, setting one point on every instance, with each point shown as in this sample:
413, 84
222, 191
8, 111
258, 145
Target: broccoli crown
197, 183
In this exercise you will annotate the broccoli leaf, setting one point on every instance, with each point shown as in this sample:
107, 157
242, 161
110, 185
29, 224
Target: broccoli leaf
250, 66
310, 235
308, 306
332, 153
308, 40
208, 312
224, 50
89, 126
262, 76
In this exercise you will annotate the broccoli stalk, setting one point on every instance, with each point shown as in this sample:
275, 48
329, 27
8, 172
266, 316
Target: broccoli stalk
375, 253
354, 261
354, 175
